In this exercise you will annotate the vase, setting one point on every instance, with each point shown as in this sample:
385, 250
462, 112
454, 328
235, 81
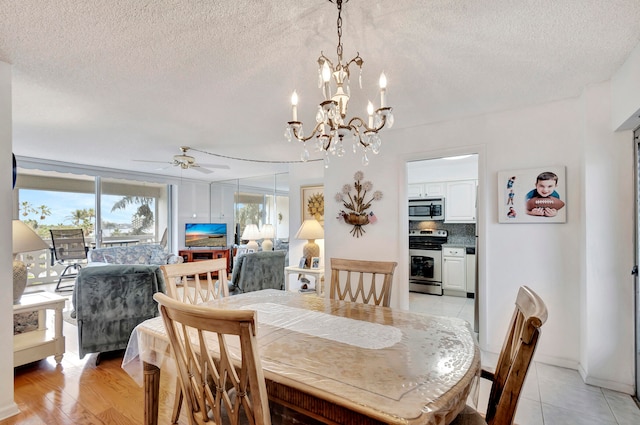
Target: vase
357, 219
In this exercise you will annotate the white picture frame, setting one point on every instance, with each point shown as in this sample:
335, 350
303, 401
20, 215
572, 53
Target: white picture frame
315, 262
515, 188
302, 262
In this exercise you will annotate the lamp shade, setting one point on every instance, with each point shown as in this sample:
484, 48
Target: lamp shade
310, 230
25, 239
251, 233
267, 232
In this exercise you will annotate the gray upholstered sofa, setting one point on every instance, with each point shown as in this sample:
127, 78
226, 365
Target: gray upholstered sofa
133, 254
110, 301
258, 270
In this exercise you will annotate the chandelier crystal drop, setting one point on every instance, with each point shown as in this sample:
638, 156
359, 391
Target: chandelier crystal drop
332, 126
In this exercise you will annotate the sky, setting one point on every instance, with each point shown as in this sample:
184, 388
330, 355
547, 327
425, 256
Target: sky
62, 204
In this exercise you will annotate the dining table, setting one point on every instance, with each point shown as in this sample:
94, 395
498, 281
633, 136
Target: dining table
338, 362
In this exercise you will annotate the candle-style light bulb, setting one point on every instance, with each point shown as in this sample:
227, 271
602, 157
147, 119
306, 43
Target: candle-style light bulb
383, 90
294, 105
370, 112
326, 77
326, 73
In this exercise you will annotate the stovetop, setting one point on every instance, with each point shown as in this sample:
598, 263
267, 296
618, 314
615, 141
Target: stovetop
427, 239
433, 233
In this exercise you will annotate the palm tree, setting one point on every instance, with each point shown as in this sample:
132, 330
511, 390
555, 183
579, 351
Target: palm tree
143, 217
77, 217
44, 211
26, 208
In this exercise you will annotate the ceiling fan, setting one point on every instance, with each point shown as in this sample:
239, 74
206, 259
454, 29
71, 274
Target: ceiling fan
185, 162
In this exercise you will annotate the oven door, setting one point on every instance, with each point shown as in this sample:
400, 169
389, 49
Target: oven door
425, 266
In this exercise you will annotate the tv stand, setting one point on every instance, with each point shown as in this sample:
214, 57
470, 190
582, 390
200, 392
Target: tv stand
190, 255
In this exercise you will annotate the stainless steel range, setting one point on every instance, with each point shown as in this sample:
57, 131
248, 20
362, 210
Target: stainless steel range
425, 260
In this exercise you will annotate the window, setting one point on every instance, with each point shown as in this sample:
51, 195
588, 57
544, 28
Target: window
123, 211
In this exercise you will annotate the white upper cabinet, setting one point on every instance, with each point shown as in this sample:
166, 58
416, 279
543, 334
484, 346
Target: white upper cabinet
425, 190
460, 201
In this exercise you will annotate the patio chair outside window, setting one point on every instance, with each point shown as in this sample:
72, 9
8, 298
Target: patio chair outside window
69, 249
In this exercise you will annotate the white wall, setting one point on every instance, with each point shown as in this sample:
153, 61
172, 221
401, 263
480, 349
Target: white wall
303, 174
194, 200
7, 405
625, 92
580, 268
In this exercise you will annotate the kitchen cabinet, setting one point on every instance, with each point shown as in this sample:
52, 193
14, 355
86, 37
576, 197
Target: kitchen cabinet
471, 273
425, 190
454, 269
460, 201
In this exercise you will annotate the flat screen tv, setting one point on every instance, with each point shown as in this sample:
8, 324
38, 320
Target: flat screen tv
205, 235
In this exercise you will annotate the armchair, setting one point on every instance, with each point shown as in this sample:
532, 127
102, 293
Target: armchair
258, 270
110, 301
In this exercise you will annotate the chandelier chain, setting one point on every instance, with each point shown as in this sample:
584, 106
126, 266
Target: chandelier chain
339, 23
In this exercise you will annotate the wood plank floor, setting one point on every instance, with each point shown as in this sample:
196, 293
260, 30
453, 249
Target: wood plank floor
79, 392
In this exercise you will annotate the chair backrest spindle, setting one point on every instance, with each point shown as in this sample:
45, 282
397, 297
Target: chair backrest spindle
201, 281
515, 357
212, 381
379, 288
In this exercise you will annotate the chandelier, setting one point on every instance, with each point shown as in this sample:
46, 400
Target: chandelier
333, 128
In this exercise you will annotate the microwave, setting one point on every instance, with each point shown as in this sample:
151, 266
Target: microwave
426, 209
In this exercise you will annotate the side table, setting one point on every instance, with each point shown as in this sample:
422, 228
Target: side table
39, 344
317, 273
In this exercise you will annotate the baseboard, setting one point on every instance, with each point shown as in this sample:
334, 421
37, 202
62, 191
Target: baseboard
9, 410
605, 383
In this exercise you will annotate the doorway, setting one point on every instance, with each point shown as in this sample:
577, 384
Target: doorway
452, 181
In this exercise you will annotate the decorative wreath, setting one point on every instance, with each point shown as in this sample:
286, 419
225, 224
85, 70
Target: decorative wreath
357, 205
315, 206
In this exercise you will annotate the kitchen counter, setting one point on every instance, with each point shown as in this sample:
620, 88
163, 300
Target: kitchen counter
470, 249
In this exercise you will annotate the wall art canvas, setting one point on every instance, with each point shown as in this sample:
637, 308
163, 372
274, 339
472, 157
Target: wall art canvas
534, 195
312, 199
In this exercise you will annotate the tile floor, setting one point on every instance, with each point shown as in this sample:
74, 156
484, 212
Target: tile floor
551, 395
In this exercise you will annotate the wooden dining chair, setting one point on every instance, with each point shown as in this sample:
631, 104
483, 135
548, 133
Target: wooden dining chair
348, 281
201, 281
513, 363
216, 384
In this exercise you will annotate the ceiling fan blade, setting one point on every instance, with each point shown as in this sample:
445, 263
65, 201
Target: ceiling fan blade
219, 166
201, 169
156, 162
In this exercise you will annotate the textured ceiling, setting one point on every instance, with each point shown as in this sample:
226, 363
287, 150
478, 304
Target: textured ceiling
105, 82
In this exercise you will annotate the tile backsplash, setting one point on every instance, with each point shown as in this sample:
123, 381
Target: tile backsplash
463, 234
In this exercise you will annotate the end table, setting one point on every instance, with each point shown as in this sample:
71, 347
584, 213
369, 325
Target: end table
317, 273
39, 344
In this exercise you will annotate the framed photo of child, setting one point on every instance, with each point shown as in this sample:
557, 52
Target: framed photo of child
534, 195
315, 262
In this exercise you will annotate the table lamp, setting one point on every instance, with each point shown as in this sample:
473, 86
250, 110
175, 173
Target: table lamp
267, 232
310, 230
251, 233
24, 240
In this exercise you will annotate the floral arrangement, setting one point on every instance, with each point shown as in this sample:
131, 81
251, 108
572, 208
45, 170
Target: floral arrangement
356, 205
315, 206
